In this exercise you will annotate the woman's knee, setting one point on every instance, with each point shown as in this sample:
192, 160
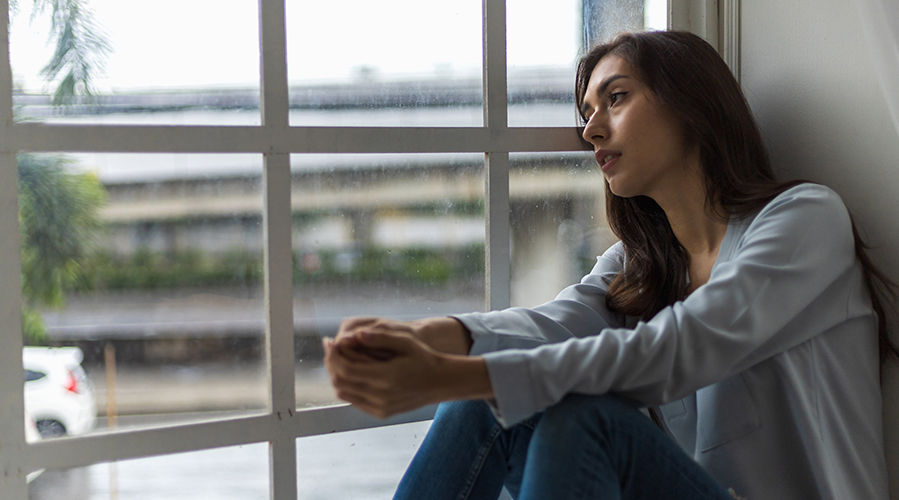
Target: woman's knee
464, 417
577, 411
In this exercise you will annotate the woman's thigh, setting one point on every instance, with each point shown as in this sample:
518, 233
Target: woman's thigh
604, 447
467, 454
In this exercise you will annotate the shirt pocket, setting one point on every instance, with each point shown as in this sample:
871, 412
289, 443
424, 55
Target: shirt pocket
725, 411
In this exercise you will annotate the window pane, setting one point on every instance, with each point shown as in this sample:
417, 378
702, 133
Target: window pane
232, 473
387, 63
150, 266
169, 62
387, 235
545, 40
371, 462
557, 220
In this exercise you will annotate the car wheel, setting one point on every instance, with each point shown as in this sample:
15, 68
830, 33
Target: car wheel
50, 428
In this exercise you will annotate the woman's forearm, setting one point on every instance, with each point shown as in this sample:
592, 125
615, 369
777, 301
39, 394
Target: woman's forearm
445, 334
462, 377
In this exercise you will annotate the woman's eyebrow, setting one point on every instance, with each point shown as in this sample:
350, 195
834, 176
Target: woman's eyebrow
608, 81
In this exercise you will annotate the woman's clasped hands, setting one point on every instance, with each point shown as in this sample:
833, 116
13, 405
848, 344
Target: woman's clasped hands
386, 367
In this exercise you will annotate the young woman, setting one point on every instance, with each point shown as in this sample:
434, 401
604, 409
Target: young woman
738, 312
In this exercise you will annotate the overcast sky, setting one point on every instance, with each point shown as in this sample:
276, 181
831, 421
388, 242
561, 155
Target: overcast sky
203, 43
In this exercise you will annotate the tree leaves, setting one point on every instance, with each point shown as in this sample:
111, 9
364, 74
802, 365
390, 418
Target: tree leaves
81, 47
57, 223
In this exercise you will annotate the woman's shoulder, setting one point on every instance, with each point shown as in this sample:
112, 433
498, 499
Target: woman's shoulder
807, 200
806, 211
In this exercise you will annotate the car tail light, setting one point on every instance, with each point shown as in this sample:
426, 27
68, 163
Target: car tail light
71, 382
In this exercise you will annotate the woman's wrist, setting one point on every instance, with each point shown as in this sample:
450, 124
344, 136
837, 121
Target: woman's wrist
446, 335
462, 377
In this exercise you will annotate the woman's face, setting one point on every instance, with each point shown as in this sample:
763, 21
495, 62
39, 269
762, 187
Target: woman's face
637, 141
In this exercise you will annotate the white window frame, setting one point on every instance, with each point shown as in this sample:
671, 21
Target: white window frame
281, 423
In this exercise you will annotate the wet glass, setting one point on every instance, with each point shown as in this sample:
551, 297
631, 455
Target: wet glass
370, 462
230, 473
149, 265
387, 63
395, 235
168, 62
557, 218
545, 40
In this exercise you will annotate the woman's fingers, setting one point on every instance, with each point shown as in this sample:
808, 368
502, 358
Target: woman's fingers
389, 341
379, 366
379, 402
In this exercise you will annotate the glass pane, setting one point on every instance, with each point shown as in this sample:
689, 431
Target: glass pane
371, 462
232, 473
558, 223
545, 40
387, 235
148, 269
168, 62
387, 63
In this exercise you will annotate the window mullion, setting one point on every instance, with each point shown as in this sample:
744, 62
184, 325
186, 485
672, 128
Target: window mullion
12, 437
13, 484
278, 252
496, 113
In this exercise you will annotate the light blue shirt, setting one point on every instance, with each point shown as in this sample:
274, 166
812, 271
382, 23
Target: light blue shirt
768, 374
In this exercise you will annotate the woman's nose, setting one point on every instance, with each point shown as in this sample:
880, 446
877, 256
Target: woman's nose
594, 131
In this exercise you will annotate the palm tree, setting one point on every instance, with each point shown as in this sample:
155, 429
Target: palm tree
57, 224
57, 209
81, 46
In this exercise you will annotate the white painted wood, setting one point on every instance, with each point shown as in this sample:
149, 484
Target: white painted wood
729, 34
12, 436
144, 442
279, 335
277, 227
317, 421
218, 433
499, 267
697, 16
496, 190
273, 64
13, 483
248, 139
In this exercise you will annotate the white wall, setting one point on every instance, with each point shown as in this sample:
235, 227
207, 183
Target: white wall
810, 77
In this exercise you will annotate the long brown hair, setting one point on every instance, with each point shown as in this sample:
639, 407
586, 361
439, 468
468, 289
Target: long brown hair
689, 76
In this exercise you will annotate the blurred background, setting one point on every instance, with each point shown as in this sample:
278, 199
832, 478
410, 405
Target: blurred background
148, 267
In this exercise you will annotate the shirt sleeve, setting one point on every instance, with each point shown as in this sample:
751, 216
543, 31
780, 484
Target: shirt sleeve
790, 255
577, 311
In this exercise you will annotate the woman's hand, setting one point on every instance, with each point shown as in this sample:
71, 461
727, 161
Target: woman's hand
383, 368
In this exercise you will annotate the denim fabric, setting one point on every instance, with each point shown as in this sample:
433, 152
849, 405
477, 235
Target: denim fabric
585, 447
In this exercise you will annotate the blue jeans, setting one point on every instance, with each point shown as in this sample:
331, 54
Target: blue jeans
584, 447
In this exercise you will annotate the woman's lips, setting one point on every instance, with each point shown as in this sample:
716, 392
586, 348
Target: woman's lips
606, 159
609, 164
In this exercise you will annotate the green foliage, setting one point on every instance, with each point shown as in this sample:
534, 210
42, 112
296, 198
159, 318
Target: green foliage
33, 326
146, 269
57, 222
423, 266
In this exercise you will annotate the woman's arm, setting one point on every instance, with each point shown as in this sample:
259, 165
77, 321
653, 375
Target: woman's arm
443, 334
791, 276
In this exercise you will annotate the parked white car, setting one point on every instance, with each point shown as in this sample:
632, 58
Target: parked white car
58, 396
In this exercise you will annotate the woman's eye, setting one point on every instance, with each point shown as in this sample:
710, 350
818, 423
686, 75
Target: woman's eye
615, 96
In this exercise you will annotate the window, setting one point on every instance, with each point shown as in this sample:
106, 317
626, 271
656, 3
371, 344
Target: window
299, 190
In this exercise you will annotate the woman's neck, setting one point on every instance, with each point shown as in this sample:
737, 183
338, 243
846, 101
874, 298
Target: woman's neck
696, 224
